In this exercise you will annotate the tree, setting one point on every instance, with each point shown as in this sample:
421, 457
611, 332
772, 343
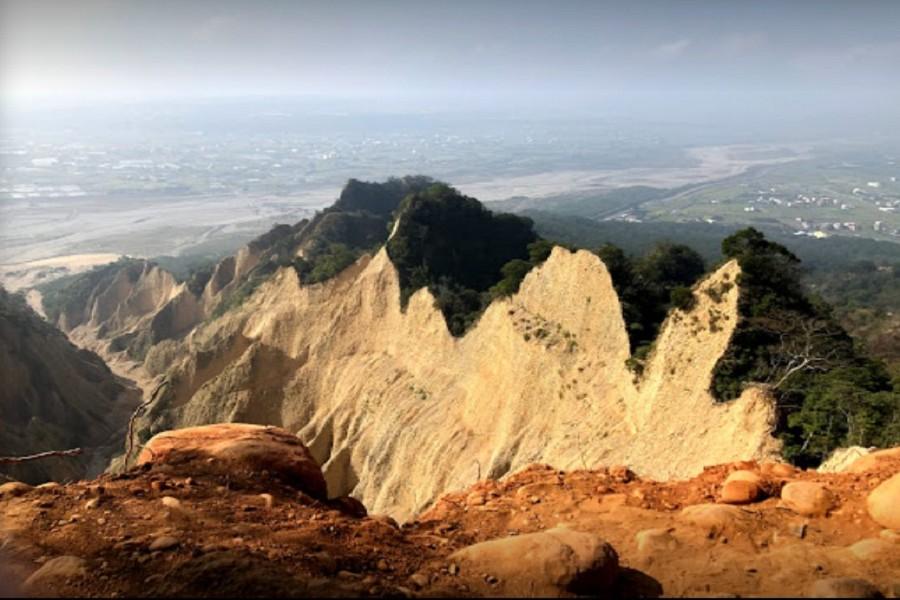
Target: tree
828, 394
463, 252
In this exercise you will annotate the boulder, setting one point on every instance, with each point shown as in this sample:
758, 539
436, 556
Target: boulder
843, 587
740, 491
556, 562
744, 475
778, 470
883, 503
239, 449
13, 489
56, 569
807, 498
873, 460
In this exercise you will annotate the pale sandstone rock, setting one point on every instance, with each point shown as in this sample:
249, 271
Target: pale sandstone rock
807, 498
745, 475
740, 492
170, 502
883, 503
842, 459
554, 562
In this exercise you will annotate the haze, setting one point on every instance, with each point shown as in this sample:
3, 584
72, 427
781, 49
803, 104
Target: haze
172, 127
432, 55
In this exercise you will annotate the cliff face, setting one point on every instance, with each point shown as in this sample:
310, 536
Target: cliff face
55, 396
398, 411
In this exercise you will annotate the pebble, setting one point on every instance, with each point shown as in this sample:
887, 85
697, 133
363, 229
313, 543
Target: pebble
348, 575
164, 542
475, 499
268, 500
419, 580
170, 502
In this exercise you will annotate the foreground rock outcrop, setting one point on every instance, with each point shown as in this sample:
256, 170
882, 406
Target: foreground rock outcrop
178, 525
235, 449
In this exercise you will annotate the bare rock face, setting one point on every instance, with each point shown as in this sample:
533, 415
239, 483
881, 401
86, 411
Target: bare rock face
807, 498
55, 396
230, 447
398, 412
552, 563
883, 503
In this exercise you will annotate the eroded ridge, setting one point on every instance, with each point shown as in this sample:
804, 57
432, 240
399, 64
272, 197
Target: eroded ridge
398, 411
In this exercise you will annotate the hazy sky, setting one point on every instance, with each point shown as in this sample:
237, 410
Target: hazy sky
161, 48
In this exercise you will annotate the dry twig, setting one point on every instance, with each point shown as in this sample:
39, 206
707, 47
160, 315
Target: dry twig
6, 460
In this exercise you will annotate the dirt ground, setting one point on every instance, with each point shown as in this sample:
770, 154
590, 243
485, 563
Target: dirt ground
187, 530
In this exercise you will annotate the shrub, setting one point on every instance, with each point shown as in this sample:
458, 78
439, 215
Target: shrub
682, 297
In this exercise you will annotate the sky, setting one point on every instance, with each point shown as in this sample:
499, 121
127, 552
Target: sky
131, 49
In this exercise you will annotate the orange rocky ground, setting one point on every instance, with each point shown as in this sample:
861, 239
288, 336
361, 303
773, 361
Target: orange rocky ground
239, 510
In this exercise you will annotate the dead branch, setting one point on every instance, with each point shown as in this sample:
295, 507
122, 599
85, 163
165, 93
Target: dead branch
138, 412
803, 346
6, 460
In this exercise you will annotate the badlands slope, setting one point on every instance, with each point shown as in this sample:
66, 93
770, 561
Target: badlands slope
55, 396
398, 411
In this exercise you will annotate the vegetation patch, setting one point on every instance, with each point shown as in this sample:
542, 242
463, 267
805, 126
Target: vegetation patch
70, 294
648, 287
829, 393
462, 252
